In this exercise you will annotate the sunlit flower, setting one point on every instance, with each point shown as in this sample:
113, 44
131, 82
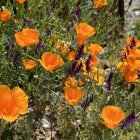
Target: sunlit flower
100, 3
133, 42
29, 64
95, 49
129, 76
27, 37
73, 94
21, 1
96, 74
112, 116
83, 31
5, 15
12, 103
51, 61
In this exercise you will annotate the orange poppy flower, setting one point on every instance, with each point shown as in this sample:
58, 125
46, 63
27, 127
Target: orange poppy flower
83, 31
73, 94
129, 76
5, 15
112, 116
100, 3
51, 61
21, 1
94, 49
12, 103
29, 64
27, 37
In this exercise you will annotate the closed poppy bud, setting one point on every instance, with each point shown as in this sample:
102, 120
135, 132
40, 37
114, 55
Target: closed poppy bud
100, 3
21, 1
29, 64
83, 31
51, 61
5, 15
112, 116
94, 49
73, 94
27, 37
12, 103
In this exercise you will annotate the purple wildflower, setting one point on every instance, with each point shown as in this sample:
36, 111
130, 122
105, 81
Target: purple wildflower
9, 48
129, 120
26, 21
77, 12
53, 3
108, 81
88, 68
39, 46
133, 43
80, 53
17, 59
75, 68
87, 102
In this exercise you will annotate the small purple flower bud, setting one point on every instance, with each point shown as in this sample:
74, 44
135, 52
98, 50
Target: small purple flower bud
87, 102
53, 3
17, 59
26, 21
75, 68
88, 68
108, 81
80, 52
129, 120
133, 43
39, 46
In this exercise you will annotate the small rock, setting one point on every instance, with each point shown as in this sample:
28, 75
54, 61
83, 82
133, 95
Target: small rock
46, 123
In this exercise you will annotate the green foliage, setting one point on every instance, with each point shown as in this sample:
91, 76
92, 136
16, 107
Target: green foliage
55, 22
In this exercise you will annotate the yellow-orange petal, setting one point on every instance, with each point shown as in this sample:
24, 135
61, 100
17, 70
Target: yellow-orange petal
8, 110
27, 37
99, 3
21, 1
94, 49
71, 81
51, 61
5, 15
112, 116
83, 31
29, 64
73, 94
71, 55
20, 99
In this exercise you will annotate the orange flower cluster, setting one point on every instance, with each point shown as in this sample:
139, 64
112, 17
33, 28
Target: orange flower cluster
27, 37
91, 63
100, 3
130, 66
12, 103
112, 116
5, 15
51, 61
